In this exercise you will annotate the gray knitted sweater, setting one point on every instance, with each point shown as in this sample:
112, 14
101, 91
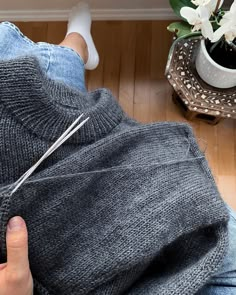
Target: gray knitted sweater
120, 208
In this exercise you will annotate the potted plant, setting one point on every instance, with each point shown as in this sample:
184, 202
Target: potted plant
216, 58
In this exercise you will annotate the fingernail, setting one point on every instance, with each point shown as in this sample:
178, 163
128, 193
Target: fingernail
15, 223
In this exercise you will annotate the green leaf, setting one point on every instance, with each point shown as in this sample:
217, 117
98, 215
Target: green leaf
180, 28
215, 26
178, 4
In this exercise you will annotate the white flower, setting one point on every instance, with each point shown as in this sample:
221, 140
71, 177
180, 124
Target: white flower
230, 16
210, 4
200, 2
199, 18
228, 25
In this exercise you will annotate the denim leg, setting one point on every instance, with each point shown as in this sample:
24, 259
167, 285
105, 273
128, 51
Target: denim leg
66, 66
13, 44
59, 63
224, 281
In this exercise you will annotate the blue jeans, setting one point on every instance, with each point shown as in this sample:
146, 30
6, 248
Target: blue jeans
66, 66
58, 62
224, 281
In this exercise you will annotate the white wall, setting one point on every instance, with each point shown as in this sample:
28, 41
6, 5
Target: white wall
95, 4
48, 10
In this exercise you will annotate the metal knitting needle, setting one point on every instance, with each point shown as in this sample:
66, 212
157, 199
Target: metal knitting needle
68, 133
52, 148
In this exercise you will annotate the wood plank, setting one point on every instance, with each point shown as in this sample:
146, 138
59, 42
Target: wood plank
127, 69
36, 31
141, 112
161, 42
112, 51
142, 72
56, 32
95, 79
158, 103
143, 52
227, 161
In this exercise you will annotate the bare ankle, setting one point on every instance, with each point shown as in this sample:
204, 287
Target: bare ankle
76, 41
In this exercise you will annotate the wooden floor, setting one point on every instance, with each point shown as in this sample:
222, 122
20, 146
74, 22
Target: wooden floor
133, 58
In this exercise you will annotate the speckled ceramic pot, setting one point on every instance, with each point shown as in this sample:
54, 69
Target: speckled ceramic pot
211, 72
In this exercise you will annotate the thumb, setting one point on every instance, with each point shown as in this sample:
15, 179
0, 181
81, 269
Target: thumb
17, 246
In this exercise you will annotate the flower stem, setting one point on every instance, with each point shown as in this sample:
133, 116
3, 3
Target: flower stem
215, 44
217, 6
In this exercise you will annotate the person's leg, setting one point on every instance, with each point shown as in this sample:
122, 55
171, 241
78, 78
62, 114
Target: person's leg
79, 36
66, 62
76, 41
77, 52
224, 282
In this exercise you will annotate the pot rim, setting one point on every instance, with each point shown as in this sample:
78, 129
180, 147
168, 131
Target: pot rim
203, 46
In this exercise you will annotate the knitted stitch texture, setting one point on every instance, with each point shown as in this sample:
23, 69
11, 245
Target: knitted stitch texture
121, 208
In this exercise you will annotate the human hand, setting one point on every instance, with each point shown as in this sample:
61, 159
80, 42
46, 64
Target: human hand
15, 275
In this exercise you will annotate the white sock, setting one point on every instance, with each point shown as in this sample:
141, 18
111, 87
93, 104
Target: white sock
80, 22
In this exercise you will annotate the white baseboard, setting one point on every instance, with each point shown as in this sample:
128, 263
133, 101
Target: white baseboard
97, 14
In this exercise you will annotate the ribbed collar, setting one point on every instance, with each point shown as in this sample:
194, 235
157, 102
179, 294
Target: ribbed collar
47, 108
